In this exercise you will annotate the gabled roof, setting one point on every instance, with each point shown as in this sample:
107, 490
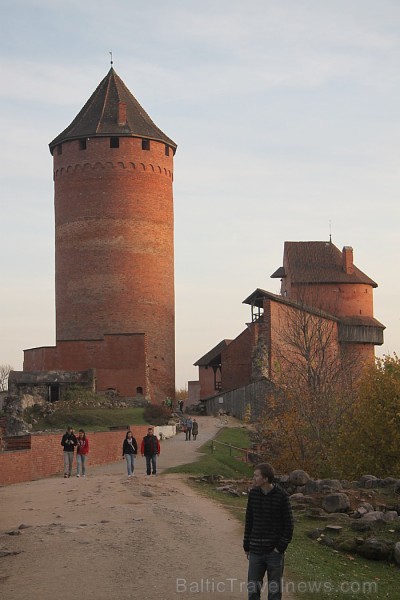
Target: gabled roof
213, 357
258, 296
318, 262
100, 115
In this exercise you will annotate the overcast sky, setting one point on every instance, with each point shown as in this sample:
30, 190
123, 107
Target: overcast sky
286, 116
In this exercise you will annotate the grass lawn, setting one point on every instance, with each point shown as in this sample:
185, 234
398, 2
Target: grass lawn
335, 575
313, 571
224, 460
91, 419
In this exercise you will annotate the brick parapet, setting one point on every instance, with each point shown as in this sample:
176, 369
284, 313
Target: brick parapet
45, 457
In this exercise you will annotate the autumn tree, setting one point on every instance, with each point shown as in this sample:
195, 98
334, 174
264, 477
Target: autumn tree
369, 439
4, 373
181, 394
314, 389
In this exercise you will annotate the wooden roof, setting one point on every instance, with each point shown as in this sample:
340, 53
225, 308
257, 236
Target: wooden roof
213, 357
100, 116
258, 296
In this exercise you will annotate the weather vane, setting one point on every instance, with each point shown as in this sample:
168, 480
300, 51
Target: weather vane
111, 60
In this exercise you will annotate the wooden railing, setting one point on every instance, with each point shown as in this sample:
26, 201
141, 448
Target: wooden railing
245, 451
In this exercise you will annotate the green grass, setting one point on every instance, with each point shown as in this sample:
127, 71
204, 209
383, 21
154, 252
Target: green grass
223, 461
338, 575
91, 419
309, 565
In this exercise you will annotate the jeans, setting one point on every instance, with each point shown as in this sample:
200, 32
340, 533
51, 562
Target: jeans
272, 563
68, 460
151, 464
81, 464
130, 463
188, 433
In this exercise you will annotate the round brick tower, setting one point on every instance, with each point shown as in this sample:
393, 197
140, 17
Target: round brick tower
114, 247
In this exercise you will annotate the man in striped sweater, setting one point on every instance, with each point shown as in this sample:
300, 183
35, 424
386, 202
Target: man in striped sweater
268, 531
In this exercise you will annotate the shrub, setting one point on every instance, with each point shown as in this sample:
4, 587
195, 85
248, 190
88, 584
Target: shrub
156, 414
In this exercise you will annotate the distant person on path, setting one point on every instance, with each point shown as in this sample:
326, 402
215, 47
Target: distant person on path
129, 450
180, 404
189, 426
81, 453
150, 448
268, 531
195, 429
68, 441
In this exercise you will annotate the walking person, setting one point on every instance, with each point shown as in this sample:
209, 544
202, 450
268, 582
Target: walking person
68, 441
195, 429
129, 450
150, 448
189, 426
268, 531
82, 451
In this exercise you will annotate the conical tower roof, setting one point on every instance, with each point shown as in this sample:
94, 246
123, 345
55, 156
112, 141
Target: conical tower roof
101, 115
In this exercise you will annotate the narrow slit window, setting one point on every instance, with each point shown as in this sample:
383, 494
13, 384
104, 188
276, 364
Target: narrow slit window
114, 142
59, 149
82, 144
145, 144
166, 150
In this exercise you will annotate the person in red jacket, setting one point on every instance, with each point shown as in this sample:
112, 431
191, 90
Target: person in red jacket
150, 448
81, 453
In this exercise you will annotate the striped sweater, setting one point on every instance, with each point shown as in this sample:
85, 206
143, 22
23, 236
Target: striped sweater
269, 521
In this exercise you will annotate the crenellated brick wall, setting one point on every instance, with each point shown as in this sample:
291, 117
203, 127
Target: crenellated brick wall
45, 457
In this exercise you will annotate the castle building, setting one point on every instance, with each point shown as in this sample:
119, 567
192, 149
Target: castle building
114, 248
318, 281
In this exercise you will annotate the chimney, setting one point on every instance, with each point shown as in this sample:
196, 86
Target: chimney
347, 256
121, 114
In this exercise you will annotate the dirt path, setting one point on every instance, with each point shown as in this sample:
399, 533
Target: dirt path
109, 537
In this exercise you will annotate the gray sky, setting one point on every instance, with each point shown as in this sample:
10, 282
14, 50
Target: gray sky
286, 116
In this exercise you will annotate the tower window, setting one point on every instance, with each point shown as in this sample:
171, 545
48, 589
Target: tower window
82, 144
114, 142
145, 144
166, 150
59, 149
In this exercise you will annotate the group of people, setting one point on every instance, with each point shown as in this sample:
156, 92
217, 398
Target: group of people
69, 441
150, 449
268, 523
191, 428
